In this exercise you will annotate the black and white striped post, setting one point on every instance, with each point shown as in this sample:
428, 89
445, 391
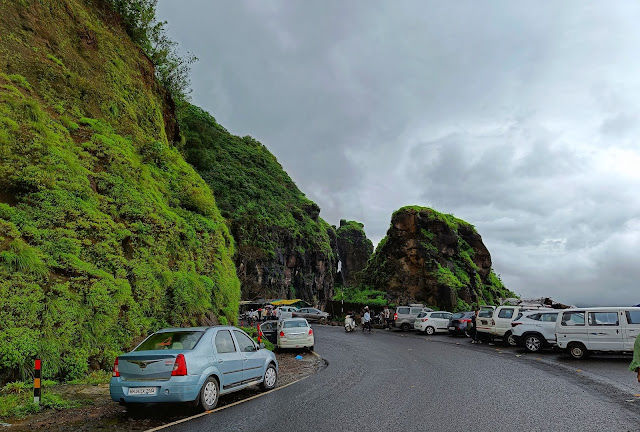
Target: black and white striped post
37, 391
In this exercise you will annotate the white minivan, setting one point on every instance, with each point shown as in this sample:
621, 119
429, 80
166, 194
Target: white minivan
606, 329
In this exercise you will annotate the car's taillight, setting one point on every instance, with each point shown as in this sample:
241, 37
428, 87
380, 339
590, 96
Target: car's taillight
466, 321
395, 316
310, 332
116, 372
180, 366
493, 322
281, 334
513, 324
425, 319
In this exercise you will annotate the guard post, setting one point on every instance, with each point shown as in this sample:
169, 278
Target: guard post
37, 382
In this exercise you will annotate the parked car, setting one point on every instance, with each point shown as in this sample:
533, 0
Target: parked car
460, 323
484, 322
608, 329
535, 330
311, 314
499, 326
197, 364
432, 322
405, 316
269, 331
286, 311
295, 333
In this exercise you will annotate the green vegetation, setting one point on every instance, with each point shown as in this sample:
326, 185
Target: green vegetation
171, 68
16, 400
253, 332
106, 233
362, 295
268, 215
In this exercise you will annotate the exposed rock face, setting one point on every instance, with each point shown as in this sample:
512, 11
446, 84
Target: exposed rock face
435, 259
284, 248
354, 250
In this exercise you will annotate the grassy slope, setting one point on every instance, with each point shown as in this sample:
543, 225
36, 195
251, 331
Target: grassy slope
266, 210
106, 233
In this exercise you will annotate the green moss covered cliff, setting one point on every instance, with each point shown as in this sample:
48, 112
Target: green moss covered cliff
433, 258
284, 248
106, 233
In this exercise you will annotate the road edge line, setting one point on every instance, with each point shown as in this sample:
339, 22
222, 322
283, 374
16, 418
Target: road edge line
230, 405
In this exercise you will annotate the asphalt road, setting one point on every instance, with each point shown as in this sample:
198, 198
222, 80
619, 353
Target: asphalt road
403, 381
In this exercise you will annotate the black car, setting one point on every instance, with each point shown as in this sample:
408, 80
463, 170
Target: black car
460, 323
269, 330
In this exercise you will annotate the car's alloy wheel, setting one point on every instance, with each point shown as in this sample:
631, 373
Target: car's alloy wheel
533, 343
209, 394
510, 339
270, 378
430, 330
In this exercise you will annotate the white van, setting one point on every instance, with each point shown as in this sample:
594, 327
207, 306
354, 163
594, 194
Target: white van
607, 329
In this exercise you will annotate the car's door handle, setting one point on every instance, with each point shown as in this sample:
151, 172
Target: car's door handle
220, 361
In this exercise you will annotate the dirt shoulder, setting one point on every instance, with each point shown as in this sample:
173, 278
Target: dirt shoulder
99, 412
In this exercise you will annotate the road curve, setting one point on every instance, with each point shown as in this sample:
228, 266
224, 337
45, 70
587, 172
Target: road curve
385, 381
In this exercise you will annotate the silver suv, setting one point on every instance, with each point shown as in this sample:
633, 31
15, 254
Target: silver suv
405, 316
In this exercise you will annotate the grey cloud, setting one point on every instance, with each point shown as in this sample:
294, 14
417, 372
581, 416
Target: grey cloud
510, 116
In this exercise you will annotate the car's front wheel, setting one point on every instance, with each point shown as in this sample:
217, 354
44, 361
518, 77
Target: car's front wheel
209, 394
533, 343
270, 378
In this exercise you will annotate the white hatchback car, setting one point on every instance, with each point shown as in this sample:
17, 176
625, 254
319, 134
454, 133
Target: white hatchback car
535, 329
295, 333
432, 322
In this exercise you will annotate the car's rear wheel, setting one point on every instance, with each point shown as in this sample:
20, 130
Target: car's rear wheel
270, 377
429, 330
209, 394
577, 350
405, 327
533, 343
510, 339
323, 320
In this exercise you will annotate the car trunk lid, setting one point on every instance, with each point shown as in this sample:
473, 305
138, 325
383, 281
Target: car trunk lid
147, 366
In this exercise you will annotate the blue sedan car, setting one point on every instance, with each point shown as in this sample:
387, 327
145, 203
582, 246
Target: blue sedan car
196, 364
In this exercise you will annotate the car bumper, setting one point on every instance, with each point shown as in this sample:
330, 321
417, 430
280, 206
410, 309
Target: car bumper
457, 330
176, 389
420, 327
296, 343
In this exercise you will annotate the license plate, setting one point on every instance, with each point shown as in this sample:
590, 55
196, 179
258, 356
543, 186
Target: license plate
452, 328
143, 390
295, 336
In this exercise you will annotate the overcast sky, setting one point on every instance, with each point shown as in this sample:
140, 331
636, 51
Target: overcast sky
518, 117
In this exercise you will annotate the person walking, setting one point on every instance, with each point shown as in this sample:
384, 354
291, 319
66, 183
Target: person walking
366, 319
474, 327
635, 363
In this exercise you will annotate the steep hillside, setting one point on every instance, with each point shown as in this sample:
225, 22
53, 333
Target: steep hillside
106, 233
284, 249
354, 250
433, 258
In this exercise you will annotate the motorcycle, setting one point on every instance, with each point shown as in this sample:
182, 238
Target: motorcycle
349, 323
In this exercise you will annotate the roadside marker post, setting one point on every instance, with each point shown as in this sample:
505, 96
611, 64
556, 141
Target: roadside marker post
259, 338
37, 391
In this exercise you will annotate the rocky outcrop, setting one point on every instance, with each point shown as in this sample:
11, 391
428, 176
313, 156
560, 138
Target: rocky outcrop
435, 259
284, 248
354, 250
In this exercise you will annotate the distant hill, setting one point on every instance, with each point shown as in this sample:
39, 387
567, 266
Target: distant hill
435, 259
284, 248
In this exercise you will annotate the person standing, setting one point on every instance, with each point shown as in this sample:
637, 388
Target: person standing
366, 319
386, 313
474, 327
635, 363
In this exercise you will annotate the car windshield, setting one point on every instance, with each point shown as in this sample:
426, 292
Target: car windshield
457, 315
182, 340
294, 324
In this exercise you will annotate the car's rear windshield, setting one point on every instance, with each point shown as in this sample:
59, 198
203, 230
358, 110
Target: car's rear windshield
294, 324
457, 315
180, 340
422, 314
485, 313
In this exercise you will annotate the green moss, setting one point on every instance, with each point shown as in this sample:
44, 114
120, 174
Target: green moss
106, 233
55, 59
